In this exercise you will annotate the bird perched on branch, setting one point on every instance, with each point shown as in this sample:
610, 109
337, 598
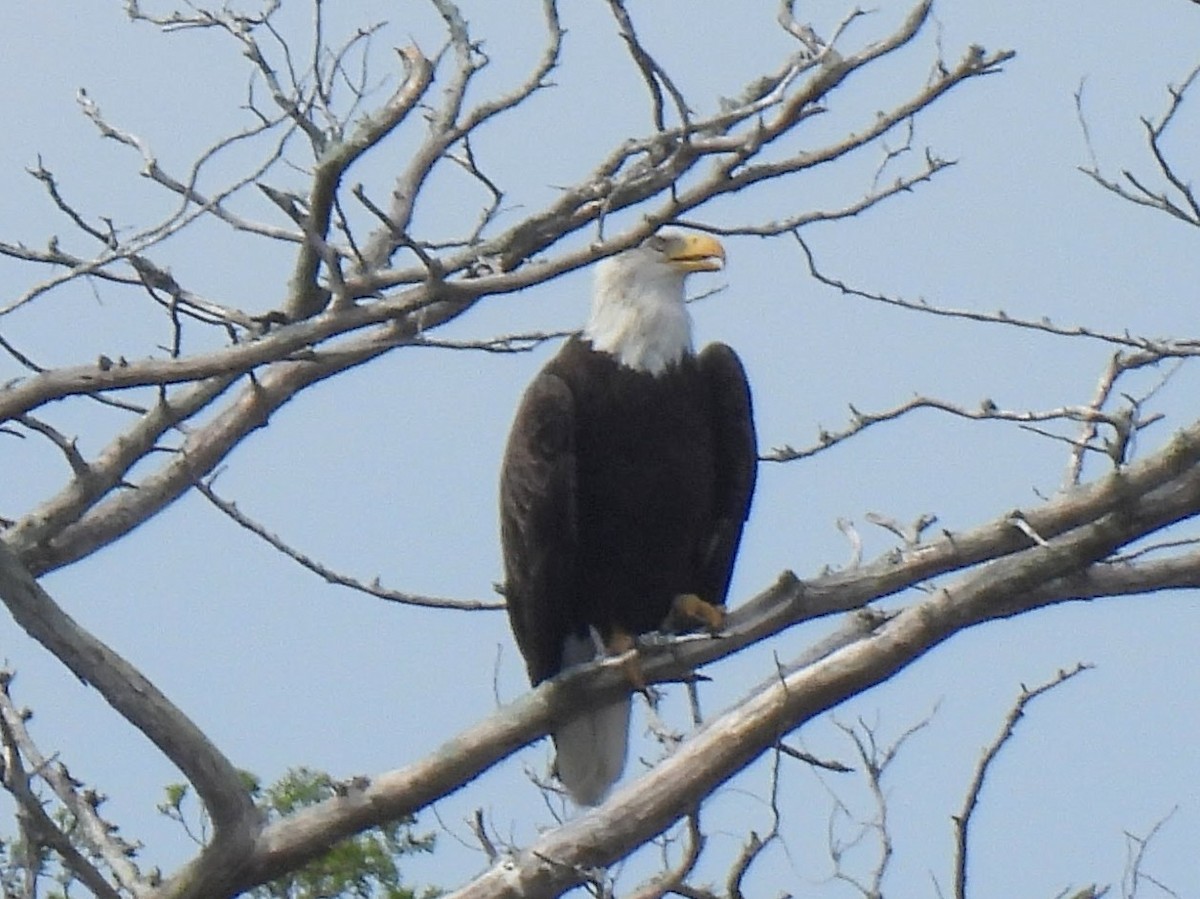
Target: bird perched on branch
625, 486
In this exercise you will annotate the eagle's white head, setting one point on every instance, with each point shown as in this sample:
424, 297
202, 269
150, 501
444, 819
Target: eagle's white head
638, 309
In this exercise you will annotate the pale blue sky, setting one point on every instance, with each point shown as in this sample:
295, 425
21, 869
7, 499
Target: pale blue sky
391, 469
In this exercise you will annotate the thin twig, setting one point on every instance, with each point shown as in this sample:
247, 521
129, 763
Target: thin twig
987, 410
1133, 188
372, 589
1164, 348
1136, 848
962, 822
96, 834
656, 78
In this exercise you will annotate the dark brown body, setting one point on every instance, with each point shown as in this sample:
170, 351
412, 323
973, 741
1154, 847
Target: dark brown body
620, 491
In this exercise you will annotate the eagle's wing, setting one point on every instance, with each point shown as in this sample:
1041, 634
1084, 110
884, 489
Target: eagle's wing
538, 523
736, 465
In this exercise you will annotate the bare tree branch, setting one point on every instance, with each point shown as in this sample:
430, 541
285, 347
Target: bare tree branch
656, 78
449, 126
306, 296
372, 589
673, 880
98, 835
962, 822
986, 411
1136, 848
67, 446
902, 184
134, 697
34, 533
1161, 348
1187, 209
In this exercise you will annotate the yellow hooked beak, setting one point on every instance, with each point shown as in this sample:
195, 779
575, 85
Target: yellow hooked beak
695, 252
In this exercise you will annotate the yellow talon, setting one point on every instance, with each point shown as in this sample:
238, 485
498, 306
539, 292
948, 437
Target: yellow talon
690, 610
620, 643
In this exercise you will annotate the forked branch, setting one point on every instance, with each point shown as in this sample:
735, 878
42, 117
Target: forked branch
962, 822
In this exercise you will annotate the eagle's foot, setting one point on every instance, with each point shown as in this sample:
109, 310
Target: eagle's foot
621, 643
691, 611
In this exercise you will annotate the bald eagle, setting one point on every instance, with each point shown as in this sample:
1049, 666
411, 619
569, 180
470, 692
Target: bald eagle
625, 485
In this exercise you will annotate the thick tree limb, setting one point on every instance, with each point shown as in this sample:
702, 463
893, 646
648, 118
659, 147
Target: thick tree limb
32, 537
645, 808
137, 700
202, 450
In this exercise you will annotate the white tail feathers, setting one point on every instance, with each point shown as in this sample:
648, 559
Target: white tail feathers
591, 751
591, 748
